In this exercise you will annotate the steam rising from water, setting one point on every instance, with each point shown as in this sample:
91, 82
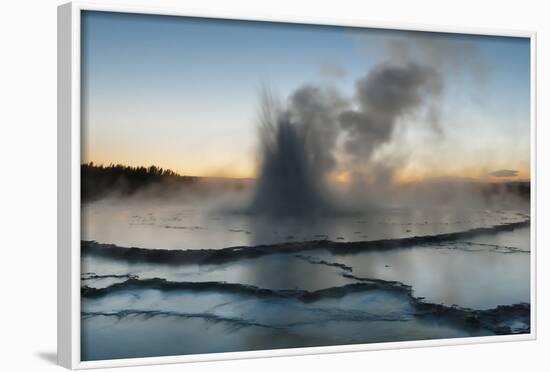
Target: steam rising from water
300, 141
296, 144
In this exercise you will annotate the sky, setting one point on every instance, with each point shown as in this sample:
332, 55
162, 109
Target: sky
183, 93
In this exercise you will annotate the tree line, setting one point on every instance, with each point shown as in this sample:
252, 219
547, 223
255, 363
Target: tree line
98, 181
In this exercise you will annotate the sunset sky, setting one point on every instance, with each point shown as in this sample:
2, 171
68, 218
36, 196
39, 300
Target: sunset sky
183, 93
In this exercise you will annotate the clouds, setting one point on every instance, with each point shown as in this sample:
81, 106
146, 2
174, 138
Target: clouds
504, 173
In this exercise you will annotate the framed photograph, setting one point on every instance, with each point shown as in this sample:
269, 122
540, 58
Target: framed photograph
236, 186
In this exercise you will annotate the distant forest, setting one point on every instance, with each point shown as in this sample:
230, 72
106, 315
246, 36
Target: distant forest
519, 188
99, 181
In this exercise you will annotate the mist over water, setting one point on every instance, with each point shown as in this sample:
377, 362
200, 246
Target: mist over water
325, 246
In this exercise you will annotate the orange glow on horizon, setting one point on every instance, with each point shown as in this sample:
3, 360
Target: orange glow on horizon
403, 176
340, 177
416, 176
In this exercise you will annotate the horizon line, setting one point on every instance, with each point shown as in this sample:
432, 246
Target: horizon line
434, 179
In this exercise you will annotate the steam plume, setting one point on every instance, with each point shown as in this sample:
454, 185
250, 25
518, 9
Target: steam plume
296, 153
318, 131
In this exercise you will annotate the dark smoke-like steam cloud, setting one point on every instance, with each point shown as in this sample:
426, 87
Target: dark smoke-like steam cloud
298, 141
385, 94
296, 145
317, 131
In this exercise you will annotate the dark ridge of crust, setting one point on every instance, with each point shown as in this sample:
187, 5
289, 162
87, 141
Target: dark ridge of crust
94, 276
317, 261
493, 320
217, 256
237, 288
490, 319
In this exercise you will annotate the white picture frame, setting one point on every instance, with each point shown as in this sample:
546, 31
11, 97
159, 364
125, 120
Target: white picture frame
69, 205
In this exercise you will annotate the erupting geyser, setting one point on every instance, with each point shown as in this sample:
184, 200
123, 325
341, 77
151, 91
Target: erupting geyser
300, 139
294, 159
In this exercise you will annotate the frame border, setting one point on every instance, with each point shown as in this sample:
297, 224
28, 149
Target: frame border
68, 191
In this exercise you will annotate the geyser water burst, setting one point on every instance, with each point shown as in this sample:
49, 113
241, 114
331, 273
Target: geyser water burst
299, 141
